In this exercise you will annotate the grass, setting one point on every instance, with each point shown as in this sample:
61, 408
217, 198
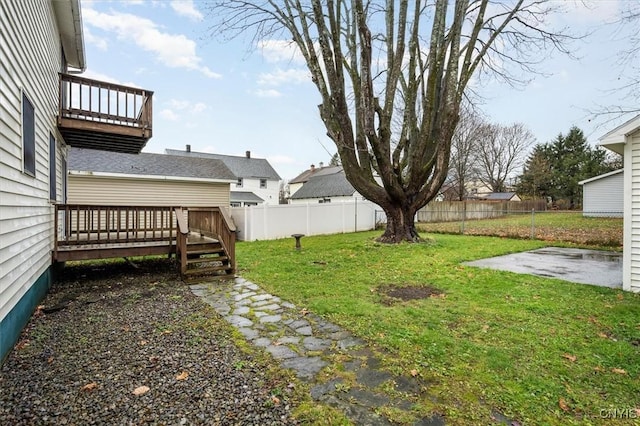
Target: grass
549, 226
538, 350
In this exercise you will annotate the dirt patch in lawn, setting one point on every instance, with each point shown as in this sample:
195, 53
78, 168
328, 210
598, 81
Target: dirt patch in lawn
392, 294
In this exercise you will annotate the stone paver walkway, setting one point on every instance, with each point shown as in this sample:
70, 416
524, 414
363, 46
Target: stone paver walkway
303, 342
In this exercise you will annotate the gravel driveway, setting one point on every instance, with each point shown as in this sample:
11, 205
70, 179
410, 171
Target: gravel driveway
116, 344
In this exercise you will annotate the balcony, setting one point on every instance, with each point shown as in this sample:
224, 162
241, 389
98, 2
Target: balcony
99, 115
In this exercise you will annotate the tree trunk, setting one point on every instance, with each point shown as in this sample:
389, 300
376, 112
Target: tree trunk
400, 225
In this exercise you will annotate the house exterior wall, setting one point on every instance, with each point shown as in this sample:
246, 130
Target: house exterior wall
293, 187
30, 59
84, 189
631, 254
270, 194
604, 197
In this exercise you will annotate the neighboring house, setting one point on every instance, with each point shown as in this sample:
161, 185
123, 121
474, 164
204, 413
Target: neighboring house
40, 115
499, 196
256, 181
114, 178
602, 196
325, 187
296, 183
625, 140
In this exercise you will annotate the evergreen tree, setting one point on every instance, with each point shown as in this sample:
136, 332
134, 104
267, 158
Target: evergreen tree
555, 168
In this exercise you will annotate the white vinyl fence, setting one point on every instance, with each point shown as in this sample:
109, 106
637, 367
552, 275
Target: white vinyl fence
264, 222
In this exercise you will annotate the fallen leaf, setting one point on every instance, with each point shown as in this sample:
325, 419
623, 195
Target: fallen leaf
89, 387
126, 328
143, 342
563, 404
275, 399
603, 335
598, 368
304, 311
620, 296
619, 371
182, 375
50, 360
166, 332
22, 344
141, 390
414, 372
154, 359
485, 328
570, 357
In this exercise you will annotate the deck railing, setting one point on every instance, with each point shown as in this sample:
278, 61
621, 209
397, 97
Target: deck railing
90, 224
214, 222
103, 102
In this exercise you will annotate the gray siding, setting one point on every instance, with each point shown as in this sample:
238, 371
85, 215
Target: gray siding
604, 197
30, 59
146, 192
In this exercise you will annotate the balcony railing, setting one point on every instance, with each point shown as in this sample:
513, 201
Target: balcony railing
100, 115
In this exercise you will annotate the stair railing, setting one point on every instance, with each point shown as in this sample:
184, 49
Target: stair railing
215, 222
181, 239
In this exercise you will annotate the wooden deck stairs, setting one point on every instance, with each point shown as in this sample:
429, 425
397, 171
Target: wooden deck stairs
206, 258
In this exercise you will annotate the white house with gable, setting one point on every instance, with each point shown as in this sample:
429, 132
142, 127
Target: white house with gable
625, 140
257, 182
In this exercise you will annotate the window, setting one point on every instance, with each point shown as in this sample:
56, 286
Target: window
28, 136
52, 167
239, 183
263, 183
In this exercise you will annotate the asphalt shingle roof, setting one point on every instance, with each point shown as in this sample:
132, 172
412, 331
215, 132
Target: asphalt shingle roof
325, 185
90, 160
248, 197
317, 171
242, 167
501, 196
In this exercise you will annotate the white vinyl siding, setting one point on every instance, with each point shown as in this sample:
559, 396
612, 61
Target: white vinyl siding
631, 262
145, 192
29, 62
604, 197
269, 190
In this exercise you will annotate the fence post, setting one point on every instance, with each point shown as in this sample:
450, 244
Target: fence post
464, 214
533, 223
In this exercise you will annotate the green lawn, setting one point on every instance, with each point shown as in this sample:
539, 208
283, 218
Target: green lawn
549, 226
541, 351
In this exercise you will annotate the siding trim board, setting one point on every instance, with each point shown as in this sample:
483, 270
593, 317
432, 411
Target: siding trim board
12, 324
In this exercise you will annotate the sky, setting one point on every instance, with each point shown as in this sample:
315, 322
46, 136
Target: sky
233, 96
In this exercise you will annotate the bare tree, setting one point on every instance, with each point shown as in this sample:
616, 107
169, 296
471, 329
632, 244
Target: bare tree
463, 166
628, 66
368, 57
502, 151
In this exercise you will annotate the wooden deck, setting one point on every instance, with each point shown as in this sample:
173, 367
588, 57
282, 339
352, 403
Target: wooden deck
100, 115
196, 236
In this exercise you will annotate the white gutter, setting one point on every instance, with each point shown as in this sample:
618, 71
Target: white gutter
149, 177
69, 19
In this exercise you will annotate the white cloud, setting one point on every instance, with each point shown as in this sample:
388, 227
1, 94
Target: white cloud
173, 50
168, 114
186, 8
199, 107
280, 51
187, 106
268, 93
99, 42
279, 77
